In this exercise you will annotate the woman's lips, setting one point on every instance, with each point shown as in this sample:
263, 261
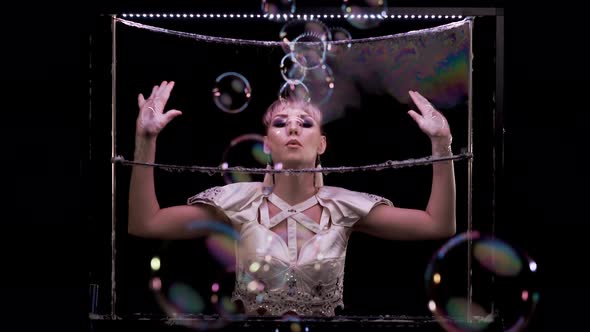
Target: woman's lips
293, 143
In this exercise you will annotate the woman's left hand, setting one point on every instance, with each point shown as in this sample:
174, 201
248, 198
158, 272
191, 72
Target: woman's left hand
430, 121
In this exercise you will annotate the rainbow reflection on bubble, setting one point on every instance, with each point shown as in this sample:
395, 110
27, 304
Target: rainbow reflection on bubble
185, 298
439, 75
188, 286
448, 85
220, 240
497, 257
434, 62
496, 289
222, 248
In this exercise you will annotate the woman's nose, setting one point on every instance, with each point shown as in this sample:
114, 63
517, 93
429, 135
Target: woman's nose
293, 127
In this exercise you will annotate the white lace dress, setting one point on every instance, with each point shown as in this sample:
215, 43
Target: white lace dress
308, 282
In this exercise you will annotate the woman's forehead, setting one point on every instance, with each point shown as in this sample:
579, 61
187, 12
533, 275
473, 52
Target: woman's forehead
290, 110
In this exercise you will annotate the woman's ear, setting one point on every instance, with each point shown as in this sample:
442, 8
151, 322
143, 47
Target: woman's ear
323, 144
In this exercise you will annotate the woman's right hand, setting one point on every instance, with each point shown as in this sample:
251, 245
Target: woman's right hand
152, 119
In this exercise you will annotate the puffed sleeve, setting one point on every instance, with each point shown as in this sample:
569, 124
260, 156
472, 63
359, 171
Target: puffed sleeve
346, 206
239, 201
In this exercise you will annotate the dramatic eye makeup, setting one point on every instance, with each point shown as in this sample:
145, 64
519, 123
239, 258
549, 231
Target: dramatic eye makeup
279, 122
305, 120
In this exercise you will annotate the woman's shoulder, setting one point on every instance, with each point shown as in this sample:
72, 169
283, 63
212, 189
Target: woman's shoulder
348, 206
242, 189
231, 191
239, 201
343, 193
236, 186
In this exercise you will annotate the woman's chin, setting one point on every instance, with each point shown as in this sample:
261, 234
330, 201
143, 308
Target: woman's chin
291, 164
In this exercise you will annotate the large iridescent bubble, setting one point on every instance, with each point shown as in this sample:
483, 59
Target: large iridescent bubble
192, 280
502, 293
246, 151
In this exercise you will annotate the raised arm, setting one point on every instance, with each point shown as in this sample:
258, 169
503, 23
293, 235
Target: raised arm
146, 218
438, 219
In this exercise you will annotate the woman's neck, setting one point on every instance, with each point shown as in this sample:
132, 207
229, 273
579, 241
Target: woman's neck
294, 189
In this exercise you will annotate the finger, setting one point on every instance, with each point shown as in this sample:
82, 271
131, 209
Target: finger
420, 97
153, 94
140, 100
166, 93
415, 99
162, 87
423, 104
171, 114
417, 117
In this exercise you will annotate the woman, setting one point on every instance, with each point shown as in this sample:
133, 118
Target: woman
299, 229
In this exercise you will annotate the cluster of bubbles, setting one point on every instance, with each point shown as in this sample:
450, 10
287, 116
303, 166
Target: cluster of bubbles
307, 44
502, 279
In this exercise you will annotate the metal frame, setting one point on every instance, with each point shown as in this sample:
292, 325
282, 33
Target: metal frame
498, 139
113, 169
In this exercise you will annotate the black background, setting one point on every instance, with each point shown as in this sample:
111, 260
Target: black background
44, 140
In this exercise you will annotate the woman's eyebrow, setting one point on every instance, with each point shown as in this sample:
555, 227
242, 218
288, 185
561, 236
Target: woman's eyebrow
302, 115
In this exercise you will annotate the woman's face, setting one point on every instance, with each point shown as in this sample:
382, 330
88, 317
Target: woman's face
294, 138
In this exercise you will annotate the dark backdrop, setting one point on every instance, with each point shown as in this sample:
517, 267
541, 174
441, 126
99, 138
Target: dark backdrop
47, 244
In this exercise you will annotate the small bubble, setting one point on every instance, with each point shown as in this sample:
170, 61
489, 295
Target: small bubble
231, 92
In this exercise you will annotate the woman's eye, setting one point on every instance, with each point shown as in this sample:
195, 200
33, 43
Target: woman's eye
279, 123
307, 123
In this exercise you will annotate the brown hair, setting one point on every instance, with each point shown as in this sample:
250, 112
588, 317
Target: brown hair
282, 103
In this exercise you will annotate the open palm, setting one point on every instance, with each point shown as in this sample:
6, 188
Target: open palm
152, 119
430, 121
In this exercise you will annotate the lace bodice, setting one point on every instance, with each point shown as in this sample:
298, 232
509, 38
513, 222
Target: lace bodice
272, 276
